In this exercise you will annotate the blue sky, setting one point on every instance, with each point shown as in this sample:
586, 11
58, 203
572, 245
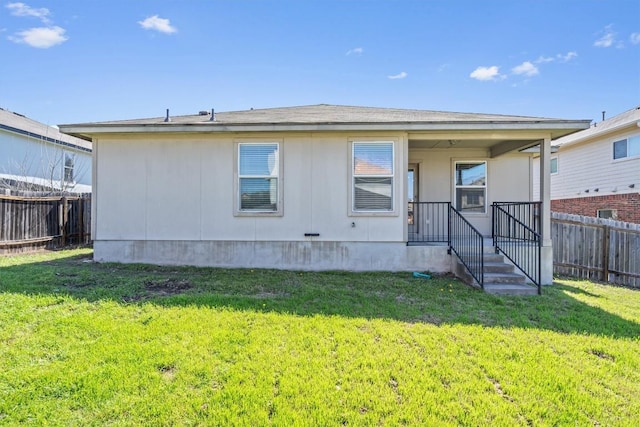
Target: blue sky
82, 61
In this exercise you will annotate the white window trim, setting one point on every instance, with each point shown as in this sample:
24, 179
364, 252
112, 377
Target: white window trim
614, 213
236, 179
557, 165
454, 197
394, 177
65, 183
627, 157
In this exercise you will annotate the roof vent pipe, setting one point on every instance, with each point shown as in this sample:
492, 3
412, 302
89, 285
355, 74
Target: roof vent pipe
213, 115
167, 118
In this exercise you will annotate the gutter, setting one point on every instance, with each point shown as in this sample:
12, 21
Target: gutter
598, 131
85, 130
44, 138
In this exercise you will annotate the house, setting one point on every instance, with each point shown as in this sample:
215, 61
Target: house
320, 187
34, 156
596, 172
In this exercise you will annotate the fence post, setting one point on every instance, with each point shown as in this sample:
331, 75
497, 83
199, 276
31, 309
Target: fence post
605, 253
80, 207
64, 218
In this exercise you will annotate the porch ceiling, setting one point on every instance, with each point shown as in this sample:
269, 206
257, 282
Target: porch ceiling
495, 147
496, 140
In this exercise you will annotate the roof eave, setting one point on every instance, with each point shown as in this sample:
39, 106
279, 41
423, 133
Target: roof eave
598, 133
564, 127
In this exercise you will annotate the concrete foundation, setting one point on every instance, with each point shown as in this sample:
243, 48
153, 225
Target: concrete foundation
288, 255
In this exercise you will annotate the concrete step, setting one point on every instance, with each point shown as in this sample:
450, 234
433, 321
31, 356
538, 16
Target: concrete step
492, 257
513, 278
497, 267
510, 289
500, 277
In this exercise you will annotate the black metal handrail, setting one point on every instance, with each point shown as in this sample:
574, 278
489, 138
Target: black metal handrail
526, 212
467, 243
428, 222
518, 240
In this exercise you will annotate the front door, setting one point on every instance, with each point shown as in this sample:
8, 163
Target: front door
412, 197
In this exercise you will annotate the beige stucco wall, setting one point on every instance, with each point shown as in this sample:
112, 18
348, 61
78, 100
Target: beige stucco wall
182, 188
169, 199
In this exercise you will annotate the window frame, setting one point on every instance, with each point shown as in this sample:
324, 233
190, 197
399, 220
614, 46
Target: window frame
551, 160
635, 139
238, 211
353, 143
614, 213
66, 183
485, 187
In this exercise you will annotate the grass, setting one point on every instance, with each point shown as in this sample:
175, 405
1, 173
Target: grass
93, 344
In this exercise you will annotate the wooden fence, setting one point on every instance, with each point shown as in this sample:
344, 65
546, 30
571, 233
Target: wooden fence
32, 220
596, 248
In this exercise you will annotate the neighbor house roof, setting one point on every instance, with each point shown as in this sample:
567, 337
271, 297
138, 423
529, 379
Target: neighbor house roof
329, 118
628, 119
22, 125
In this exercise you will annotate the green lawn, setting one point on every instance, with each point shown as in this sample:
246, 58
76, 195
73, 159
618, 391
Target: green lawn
104, 344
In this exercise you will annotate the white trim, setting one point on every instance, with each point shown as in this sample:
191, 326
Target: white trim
68, 184
626, 139
557, 165
394, 176
563, 126
237, 211
455, 186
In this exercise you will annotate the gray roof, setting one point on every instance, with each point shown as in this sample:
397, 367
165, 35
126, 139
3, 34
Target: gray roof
325, 117
630, 118
22, 125
325, 114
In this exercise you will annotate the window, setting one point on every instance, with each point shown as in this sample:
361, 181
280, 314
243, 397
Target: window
69, 160
373, 176
258, 177
471, 186
629, 147
608, 213
554, 165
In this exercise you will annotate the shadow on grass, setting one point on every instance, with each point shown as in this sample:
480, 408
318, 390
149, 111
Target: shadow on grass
397, 296
575, 290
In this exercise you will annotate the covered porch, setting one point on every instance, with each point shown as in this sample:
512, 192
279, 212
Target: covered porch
473, 193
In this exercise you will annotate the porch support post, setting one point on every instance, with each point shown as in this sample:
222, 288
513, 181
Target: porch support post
546, 261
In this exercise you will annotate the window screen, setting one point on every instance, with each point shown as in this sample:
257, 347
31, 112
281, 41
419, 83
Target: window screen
373, 176
258, 171
471, 186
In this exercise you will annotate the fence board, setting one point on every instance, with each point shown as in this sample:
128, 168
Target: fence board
596, 248
30, 220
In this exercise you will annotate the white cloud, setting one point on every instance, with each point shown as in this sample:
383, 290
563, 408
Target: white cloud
21, 9
355, 51
43, 37
400, 75
635, 38
567, 57
486, 73
526, 68
559, 57
607, 39
543, 59
159, 24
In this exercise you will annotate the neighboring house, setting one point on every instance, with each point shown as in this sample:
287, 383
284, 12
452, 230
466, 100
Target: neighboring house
596, 172
319, 187
34, 156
